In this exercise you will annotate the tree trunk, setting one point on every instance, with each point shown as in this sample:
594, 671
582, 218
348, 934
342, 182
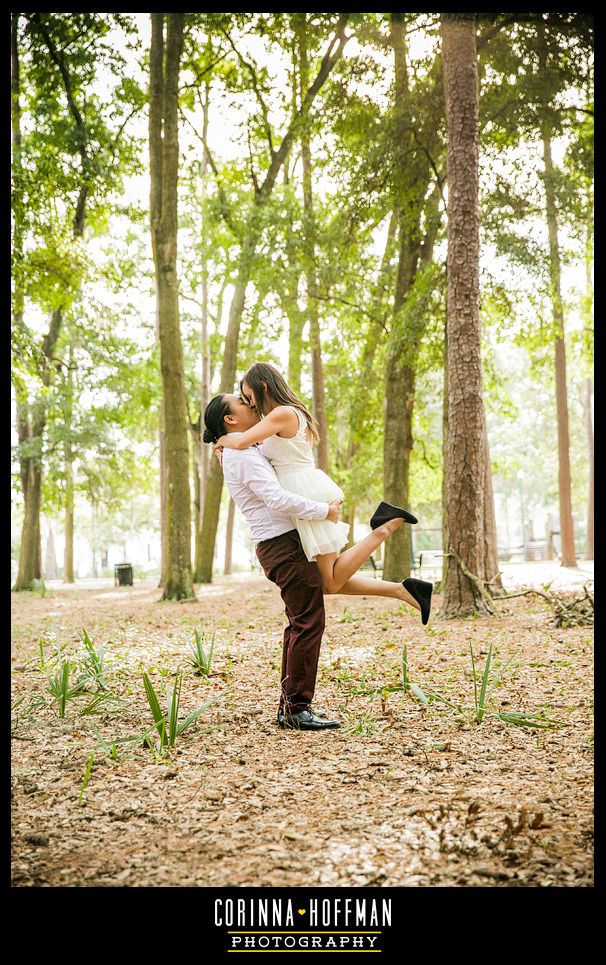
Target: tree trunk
466, 462
289, 290
374, 334
212, 503
196, 454
491, 550
309, 252
399, 375
229, 537
406, 335
296, 324
164, 160
50, 563
589, 426
93, 540
445, 539
31, 553
205, 378
566, 522
68, 553
163, 493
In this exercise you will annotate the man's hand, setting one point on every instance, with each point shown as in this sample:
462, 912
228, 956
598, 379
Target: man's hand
334, 508
218, 451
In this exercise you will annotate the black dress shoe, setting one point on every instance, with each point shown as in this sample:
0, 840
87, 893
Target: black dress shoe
317, 713
384, 512
305, 720
421, 590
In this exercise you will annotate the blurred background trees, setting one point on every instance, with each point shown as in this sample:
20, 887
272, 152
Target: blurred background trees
309, 167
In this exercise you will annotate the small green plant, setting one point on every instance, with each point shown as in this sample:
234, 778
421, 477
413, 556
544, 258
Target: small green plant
86, 778
362, 725
59, 688
201, 656
527, 720
479, 701
406, 681
348, 616
47, 664
39, 587
23, 711
168, 725
101, 702
93, 662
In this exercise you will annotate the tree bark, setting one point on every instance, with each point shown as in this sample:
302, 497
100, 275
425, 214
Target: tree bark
203, 461
566, 522
374, 333
466, 462
289, 299
50, 563
163, 490
68, 552
229, 538
309, 252
212, 502
589, 550
31, 551
399, 374
445, 539
164, 159
30, 555
491, 550
415, 251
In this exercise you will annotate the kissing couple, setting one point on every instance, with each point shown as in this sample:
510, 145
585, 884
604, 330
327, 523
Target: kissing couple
263, 439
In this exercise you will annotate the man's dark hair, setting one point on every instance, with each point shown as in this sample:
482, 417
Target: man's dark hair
215, 413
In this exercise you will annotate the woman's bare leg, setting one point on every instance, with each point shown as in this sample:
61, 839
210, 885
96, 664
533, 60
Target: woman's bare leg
336, 570
368, 586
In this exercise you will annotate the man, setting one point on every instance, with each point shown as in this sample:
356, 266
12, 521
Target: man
269, 510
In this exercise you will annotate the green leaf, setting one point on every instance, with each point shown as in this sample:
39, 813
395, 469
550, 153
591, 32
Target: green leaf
419, 693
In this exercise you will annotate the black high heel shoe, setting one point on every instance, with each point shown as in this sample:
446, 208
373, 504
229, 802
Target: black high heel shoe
384, 512
421, 590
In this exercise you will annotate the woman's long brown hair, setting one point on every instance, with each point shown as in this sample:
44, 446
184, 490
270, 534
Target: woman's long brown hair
278, 390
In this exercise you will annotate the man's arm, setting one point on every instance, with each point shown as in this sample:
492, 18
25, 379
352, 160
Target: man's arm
254, 471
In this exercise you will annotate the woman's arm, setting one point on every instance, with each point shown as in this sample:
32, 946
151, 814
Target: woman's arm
280, 419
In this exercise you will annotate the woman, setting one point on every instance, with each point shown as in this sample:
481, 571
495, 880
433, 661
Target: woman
287, 430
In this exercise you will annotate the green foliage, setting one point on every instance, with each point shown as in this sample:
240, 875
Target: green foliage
59, 684
93, 663
86, 777
168, 725
201, 656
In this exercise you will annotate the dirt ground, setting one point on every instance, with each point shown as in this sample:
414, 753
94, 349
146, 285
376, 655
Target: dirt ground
406, 794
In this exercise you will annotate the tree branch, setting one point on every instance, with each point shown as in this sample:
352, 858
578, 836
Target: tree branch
258, 95
359, 308
328, 62
222, 196
60, 62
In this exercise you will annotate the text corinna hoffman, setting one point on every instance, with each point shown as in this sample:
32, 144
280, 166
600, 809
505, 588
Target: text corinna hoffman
316, 912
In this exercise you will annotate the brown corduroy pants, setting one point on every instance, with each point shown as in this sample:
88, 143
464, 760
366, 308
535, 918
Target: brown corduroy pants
300, 582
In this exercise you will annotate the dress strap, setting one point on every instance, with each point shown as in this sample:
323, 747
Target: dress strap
302, 420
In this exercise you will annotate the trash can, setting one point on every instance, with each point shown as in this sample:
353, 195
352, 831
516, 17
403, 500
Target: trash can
123, 574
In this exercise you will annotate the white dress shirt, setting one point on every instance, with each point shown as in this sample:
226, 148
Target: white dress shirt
268, 509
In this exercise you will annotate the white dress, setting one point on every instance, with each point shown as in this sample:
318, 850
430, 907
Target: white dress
294, 464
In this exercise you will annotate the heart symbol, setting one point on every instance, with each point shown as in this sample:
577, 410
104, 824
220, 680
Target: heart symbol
301, 911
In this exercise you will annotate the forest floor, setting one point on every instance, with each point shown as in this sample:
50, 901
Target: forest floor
405, 794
